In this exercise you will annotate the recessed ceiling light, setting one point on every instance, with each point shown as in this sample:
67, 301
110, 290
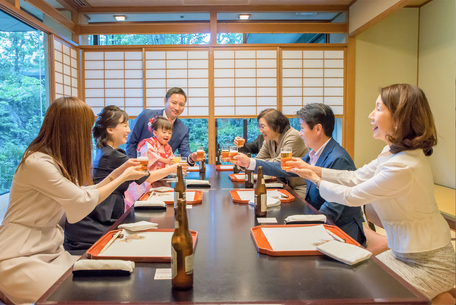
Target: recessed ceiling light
244, 16
120, 17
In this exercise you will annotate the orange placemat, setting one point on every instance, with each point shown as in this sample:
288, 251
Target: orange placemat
193, 169
235, 196
235, 179
263, 246
94, 251
197, 199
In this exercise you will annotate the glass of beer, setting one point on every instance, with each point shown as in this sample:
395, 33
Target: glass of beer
240, 141
200, 153
143, 160
225, 153
176, 158
183, 160
233, 152
285, 155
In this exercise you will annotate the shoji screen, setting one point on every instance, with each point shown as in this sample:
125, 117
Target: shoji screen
310, 76
245, 81
185, 69
114, 78
66, 69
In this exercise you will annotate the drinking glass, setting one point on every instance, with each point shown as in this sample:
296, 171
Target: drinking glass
176, 158
285, 155
225, 153
183, 160
143, 160
200, 153
233, 152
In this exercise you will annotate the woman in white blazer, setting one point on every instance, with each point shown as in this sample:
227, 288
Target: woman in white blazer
400, 187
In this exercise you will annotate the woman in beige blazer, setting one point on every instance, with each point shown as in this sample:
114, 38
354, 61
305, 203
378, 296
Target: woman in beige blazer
278, 134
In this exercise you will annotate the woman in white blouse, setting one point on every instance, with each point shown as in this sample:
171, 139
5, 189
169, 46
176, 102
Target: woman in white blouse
53, 178
400, 187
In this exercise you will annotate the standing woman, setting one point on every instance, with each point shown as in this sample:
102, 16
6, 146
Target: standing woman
400, 186
110, 131
52, 178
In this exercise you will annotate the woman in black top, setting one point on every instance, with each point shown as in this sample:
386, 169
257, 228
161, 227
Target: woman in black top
110, 131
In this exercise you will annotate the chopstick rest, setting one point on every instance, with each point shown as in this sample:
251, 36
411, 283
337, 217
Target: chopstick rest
153, 204
343, 252
305, 219
139, 226
103, 267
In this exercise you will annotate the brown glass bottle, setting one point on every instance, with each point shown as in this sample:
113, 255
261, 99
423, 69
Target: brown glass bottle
260, 195
202, 169
248, 177
181, 250
218, 155
179, 189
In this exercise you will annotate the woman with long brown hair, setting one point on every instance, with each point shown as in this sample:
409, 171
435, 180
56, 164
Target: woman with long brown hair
52, 178
400, 187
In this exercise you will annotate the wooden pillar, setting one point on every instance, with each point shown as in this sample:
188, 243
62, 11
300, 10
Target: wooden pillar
16, 3
213, 27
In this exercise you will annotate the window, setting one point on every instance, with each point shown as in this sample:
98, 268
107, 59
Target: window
22, 93
152, 39
198, 134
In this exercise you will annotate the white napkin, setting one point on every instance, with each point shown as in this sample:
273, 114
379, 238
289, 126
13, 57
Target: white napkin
100, 264
306, 218
270, 202
162, 189
139, 226
197, 182
265, 177
152, 203
274, 185
345, 253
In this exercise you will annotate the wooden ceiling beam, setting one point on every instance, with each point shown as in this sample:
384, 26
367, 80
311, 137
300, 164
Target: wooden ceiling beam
47, 9
220, 9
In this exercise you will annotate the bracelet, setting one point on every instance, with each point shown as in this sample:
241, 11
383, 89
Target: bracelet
317, 183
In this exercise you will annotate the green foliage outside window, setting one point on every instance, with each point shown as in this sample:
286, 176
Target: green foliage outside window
165, 39
198, 130
22, 97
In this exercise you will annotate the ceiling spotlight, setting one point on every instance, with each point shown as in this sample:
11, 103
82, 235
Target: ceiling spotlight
244, 16
120, 17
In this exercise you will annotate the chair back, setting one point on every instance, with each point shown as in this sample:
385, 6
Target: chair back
371, 215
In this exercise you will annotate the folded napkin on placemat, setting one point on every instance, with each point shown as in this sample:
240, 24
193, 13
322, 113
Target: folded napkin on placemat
274, 185
153, 204
345, 253
270, 202
103, 267
302, 219
198, 183
139, 226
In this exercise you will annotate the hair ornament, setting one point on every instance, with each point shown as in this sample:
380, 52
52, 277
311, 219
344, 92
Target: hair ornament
151, 121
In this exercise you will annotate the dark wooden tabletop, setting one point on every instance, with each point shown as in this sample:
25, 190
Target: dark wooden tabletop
228, 268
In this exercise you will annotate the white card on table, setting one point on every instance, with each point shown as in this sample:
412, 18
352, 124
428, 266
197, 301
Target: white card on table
266, 220
225, 166
296, 238
169, 196
240, 176
163, 274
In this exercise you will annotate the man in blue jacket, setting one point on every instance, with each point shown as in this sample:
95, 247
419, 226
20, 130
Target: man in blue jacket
317, 125
174, 106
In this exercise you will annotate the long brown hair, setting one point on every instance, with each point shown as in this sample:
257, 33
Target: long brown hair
412, 115
65, 136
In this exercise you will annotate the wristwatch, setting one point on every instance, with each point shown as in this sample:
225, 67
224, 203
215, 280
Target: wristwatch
317, 183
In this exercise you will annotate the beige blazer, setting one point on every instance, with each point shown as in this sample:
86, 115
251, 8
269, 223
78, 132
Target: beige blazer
271, 152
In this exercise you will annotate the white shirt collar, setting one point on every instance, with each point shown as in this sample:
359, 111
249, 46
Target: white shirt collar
314, 155
164, 114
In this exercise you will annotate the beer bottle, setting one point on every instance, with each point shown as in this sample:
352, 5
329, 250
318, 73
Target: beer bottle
218, 155
202, 169
260, 195
181, 250
179, 190
248, 177
236, 169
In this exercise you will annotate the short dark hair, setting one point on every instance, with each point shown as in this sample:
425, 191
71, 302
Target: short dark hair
412, 115
275, 119
316, 113
163, 123
175, 90
109, 117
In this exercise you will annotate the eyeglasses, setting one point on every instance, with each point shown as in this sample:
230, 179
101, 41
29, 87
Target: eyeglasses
262, 127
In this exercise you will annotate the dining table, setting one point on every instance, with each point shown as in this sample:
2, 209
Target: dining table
228, 269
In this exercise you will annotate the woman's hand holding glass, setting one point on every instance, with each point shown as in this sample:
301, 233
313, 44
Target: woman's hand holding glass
298, 163
134, 173
130, 163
